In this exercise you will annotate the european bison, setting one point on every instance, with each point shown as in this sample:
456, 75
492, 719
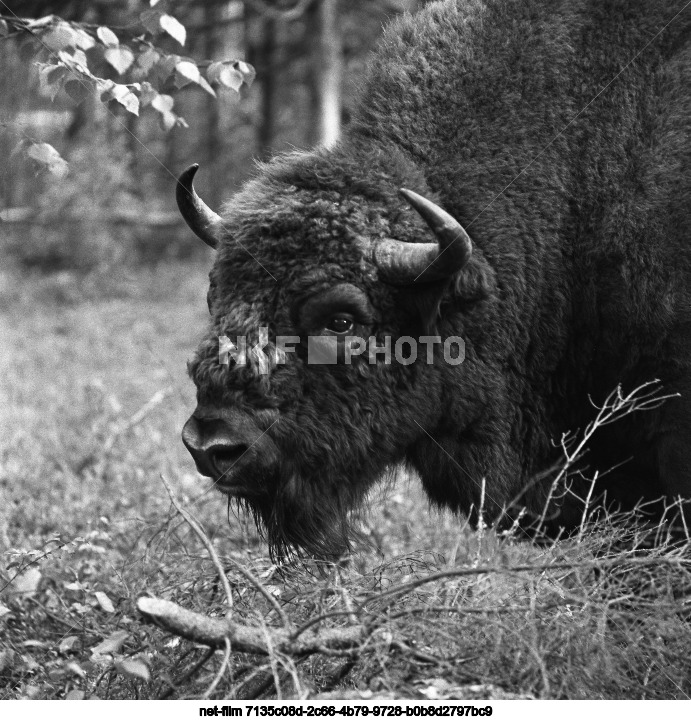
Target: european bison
544, 154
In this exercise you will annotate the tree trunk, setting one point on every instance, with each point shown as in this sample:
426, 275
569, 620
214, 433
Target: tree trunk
261, 34
214, 145
327, 62
267, 129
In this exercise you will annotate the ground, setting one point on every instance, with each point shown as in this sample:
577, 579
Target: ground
93, 394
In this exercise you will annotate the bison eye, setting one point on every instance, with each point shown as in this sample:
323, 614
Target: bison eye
340, 324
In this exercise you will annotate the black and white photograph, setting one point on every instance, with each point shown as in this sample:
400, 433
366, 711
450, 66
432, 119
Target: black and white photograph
345, 357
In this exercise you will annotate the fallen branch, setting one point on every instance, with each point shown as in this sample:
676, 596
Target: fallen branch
250, 639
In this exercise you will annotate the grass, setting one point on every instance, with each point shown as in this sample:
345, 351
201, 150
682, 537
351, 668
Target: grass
93, 393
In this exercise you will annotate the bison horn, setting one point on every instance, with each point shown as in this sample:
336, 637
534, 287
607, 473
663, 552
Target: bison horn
202, 220
404, 263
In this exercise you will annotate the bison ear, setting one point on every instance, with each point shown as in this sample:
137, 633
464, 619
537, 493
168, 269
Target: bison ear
475, 282
204, 223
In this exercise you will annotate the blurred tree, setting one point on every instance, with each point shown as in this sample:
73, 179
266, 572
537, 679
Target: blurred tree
214, 144
97, 64
85, 58
261, 33
327, 70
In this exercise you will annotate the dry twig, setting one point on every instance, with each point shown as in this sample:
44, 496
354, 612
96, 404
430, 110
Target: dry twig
221, 671
194, 525
136, 418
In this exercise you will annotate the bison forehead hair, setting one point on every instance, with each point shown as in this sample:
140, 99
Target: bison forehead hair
487, 188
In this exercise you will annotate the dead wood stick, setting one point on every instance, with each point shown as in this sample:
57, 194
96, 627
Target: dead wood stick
250, 639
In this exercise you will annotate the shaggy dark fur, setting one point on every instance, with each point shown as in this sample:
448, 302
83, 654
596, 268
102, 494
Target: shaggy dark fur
557, 133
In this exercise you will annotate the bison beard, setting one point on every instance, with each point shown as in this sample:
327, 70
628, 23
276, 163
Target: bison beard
557, 134
299, 518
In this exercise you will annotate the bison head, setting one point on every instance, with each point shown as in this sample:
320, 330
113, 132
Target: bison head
317, 253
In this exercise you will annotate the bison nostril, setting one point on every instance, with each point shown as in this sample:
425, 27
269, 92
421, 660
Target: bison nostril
225, 447
224, 457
